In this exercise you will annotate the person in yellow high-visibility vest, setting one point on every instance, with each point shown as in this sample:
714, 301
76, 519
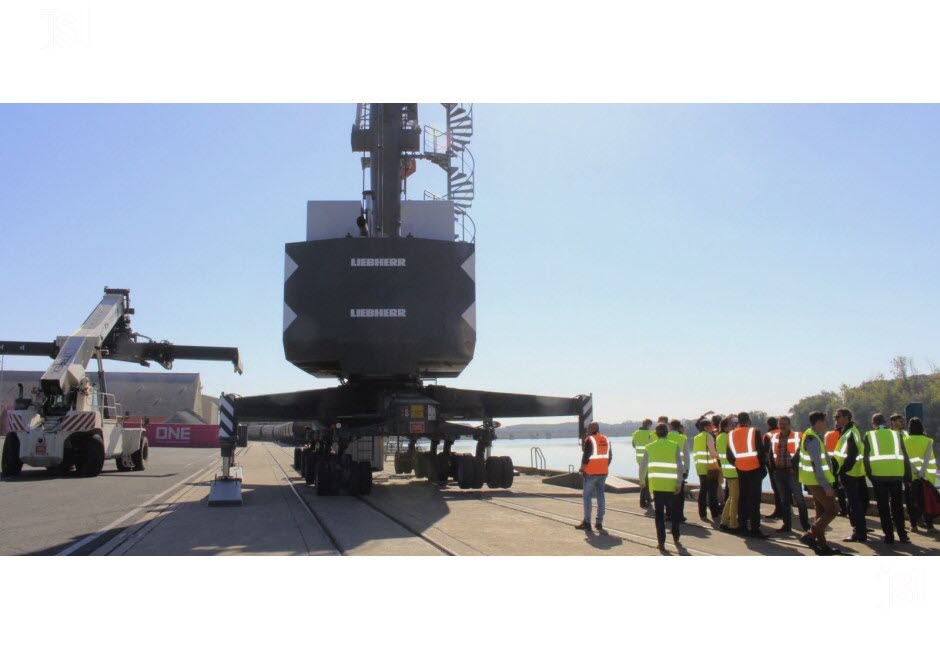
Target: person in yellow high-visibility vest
816, 475
920, 451
642, 437
663, 464
888, 468
851, 473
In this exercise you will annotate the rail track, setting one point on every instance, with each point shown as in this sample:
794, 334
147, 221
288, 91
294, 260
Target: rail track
332, 529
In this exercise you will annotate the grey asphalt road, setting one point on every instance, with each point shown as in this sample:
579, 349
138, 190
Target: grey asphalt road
42, 514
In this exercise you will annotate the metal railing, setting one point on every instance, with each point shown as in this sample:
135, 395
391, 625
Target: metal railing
465, 227
363, 112
536, 458
435, 141
109, 403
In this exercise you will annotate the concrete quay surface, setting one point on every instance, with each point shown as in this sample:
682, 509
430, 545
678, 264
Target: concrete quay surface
281, 515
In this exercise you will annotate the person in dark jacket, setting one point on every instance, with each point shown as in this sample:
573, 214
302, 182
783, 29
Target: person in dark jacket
772, 427
852, 477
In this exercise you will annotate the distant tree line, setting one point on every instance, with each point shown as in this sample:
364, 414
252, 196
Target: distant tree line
881, 394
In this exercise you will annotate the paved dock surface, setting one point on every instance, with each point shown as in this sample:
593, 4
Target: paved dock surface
403, 516
43, 514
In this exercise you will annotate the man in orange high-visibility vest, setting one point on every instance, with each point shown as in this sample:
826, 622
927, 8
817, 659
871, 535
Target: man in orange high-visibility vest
746, 455
595, 463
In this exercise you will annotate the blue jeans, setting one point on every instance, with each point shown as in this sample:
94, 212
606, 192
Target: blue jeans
594, 484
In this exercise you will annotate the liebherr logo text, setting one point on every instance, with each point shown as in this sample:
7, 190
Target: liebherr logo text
377, 313
399, 263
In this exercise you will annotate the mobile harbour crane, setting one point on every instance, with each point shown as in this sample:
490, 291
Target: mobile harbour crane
381, 295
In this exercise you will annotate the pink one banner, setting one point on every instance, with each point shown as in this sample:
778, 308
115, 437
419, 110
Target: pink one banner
183, 435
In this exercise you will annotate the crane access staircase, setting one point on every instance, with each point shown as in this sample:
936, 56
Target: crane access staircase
448, 150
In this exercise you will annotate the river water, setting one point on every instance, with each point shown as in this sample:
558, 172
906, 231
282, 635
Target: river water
565, 454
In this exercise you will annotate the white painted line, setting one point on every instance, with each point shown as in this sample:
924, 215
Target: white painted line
104, 530
127, 539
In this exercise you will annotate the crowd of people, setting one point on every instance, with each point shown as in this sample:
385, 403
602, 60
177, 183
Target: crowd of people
832, 463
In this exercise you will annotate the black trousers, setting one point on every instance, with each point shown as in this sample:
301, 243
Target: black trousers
840, 490
661, 502
856, 492
749, 507
679, 507
708, 494
890, 507
645, 495
914, 496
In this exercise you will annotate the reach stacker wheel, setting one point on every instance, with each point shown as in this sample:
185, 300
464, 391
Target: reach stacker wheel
12, 465
91, 457
141, 456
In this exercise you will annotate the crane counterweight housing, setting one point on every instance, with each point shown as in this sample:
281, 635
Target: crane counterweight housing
380, 307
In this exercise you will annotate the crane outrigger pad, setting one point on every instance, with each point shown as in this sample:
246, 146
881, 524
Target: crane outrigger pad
227, 491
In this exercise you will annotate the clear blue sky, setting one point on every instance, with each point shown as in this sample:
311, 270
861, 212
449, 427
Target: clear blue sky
808, 232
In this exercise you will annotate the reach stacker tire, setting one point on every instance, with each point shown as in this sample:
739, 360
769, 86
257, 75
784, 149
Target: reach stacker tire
91, 459
11, 463
141, 456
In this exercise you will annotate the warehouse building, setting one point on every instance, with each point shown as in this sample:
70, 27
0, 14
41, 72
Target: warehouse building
159, 396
